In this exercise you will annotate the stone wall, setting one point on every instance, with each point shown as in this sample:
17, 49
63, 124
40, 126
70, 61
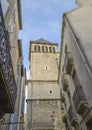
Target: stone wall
45, 114
44, 66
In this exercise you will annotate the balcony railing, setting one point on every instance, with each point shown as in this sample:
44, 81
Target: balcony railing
72, 115
80, 100
68, 63
7, 81
65, 83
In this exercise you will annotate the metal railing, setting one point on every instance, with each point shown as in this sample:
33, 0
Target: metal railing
6, 68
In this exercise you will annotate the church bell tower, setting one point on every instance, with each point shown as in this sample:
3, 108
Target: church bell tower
43, 101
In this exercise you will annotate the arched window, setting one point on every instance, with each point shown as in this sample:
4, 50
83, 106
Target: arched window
35, 48
38, 48
46, 49
50, 49
53, 49
43, 48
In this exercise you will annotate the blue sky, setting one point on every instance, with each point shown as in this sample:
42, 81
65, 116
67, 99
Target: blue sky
42, 18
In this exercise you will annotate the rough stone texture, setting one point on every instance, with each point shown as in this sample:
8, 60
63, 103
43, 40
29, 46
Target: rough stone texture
44, 66
41, 90
44, 111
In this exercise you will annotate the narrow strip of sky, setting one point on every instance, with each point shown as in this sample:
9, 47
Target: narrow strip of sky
42, 18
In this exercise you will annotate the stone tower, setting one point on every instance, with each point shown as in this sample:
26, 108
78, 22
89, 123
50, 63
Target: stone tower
43, 102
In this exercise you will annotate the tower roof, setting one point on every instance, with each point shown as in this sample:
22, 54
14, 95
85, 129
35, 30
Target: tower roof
41, 40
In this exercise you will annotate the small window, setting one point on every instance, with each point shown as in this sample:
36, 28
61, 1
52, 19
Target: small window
53, 49
46, 49
51, 116
35, 48
50, 91
50, 49
38, 48
43, 48
46, 67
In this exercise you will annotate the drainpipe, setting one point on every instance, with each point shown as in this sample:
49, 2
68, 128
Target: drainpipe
20, 102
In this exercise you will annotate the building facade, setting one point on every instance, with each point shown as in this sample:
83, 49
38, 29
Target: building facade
11, 13
76, 66
43, 101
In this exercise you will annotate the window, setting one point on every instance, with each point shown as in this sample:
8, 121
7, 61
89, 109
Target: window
50, 92
46, 49
5, 5
35, 48
43, 48
51, 116
38, 48
50, 49
53, 49
46, 67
